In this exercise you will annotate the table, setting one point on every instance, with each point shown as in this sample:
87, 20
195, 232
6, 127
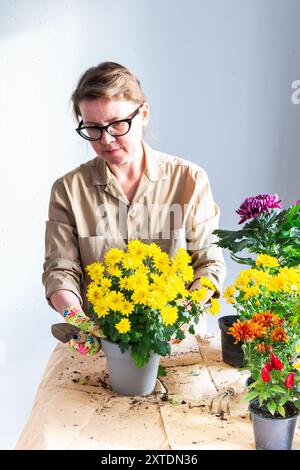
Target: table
75, 408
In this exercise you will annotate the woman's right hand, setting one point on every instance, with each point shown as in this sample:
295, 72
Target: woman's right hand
89, 342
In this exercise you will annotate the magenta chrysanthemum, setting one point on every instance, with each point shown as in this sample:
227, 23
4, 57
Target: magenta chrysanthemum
253, 206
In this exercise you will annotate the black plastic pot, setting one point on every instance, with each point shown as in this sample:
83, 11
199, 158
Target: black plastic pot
273, 433
232, 353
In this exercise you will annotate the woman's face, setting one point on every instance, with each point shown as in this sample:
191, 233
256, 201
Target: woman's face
103, 111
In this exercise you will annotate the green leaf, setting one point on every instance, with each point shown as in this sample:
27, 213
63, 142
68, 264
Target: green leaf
281, 410
162, 372
297, 403
192, 330
283, 400
138, 359
271, 405
180, 334
123, 347
162, 348
253, 384
250, 396
277, 389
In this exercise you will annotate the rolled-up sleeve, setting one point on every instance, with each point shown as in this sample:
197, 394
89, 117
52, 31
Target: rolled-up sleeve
203, 219
62, 267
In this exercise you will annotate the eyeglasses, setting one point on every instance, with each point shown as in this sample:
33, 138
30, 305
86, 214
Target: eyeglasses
116, 128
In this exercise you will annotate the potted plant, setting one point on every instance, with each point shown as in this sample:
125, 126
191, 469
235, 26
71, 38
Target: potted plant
274, 405
269, 231
270, 344
139, 300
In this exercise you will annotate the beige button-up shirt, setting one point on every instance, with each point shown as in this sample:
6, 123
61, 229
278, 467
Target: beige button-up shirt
89, 213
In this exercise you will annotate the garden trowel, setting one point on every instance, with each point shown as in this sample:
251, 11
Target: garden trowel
64, 332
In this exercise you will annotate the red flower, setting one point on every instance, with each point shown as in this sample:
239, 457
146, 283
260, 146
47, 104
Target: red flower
289, 381
276, 362
265, 374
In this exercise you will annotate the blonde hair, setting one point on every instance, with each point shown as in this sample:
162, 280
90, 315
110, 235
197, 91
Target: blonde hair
107, 80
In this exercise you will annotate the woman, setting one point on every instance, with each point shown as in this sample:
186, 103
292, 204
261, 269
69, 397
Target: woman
127, 191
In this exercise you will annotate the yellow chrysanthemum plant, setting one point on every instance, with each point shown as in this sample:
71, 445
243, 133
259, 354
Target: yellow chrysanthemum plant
266, 287
138, 297
267, 301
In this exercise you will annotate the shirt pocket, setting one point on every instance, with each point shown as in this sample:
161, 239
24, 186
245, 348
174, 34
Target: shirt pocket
94, 248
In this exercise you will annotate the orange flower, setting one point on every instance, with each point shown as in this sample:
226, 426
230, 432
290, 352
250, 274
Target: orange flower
246, 331
261, 347
279, 335
266, 319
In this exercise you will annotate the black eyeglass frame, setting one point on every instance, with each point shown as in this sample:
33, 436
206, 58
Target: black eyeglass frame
105, 128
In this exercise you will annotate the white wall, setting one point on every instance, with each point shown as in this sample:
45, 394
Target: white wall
218, 77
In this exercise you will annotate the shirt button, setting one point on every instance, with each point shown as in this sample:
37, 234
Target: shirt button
132, 211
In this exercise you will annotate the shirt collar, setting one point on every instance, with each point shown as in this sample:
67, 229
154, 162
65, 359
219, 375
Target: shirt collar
154, 168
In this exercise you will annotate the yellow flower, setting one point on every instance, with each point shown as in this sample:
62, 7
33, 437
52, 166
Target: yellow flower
266, 261
182, 255
137, 249
95, 270
157, 299
114, 271
251, 276
296, 365
230, 300
171, 285
161, 261
153, 250
113, 256
126, 308
115, 300
251, 291
123, 326
143, 269
159, 281
94, 292
126, 283
101, 308
140, 295
229, 292
180, 260
204, 281
187, 274
198, 295
183, 291
287, 280
215, 307
131, 261
169, 315
139, 279
105, 284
